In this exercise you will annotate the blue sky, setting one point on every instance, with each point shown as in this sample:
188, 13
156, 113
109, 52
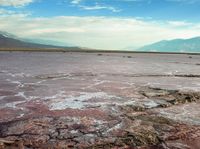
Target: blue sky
101, 24
155, 9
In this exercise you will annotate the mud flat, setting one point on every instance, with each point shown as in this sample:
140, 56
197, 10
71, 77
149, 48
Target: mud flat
99, 100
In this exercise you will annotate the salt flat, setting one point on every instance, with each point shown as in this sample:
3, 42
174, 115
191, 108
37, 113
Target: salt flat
99, 100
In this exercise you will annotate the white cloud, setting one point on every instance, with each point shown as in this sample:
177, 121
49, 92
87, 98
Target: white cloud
99, 7
96, 32
5, 12
76, 1
96, 6
179, 23
15, 3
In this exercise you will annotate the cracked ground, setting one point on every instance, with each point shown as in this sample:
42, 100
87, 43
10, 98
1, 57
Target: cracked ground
99, 100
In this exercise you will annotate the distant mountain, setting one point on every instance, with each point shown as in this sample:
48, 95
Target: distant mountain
177, 45
47, 42
8, 40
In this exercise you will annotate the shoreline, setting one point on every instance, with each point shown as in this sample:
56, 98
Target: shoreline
73, 49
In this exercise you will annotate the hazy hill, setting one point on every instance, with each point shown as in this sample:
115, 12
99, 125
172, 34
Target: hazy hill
10, 41
177, 45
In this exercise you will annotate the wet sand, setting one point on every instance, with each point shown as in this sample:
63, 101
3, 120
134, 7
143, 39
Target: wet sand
99, 100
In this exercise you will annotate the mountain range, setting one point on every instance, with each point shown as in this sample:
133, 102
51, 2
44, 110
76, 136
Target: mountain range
8, 40
176, 45
192, 45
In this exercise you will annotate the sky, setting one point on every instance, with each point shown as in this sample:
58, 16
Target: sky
101, 24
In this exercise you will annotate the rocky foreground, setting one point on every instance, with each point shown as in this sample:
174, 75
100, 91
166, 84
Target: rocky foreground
83, 100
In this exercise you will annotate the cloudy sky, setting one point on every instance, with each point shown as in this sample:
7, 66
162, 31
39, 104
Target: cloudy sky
101, 24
